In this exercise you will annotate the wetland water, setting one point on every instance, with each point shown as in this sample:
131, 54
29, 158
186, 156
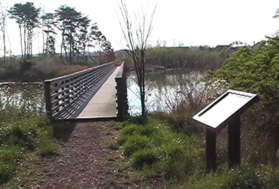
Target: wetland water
163, 90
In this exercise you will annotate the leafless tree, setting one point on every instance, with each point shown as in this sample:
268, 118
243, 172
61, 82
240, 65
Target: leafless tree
136, 33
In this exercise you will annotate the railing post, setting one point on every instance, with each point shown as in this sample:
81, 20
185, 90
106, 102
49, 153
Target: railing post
125, 97
121, 95
119, 99
48, 99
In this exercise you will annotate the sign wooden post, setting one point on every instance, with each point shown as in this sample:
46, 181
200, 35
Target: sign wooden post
210, 149
234, 142
224, 111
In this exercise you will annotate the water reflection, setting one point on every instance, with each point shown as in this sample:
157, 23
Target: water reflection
26, 97
164, 90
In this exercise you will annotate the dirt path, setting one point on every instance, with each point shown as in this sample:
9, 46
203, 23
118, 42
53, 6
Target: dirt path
87, 160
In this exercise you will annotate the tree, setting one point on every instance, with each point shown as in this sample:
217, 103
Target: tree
255, 70
3, 18
27, 18
68, 20
276, 15
97, 39
136, 34
48, 24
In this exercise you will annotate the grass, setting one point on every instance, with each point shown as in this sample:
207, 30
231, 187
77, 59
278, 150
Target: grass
245, 177
156, 149
22, 133
9, 155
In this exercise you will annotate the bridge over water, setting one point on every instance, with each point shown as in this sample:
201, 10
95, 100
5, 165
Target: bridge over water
95, 93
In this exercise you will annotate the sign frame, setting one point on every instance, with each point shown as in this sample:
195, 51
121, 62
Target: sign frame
253, 99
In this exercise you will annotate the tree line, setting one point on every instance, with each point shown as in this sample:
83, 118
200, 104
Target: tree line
79, 35
189, 58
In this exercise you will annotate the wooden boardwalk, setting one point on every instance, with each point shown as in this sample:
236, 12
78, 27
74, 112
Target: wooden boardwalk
102, 104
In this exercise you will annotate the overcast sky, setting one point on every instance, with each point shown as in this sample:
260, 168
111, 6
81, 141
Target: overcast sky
188, 22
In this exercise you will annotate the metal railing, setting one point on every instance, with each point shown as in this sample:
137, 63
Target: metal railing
66, 96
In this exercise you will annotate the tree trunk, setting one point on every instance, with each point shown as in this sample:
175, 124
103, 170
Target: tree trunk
24, 41
4, 39
142, 101
20, 35
62, 44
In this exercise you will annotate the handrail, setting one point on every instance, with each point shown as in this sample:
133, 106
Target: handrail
78, 73
67, 95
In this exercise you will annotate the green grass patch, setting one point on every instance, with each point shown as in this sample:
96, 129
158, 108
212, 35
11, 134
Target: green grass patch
25, 133
47, 147
156, 149
9, 156
135, 143
246, 177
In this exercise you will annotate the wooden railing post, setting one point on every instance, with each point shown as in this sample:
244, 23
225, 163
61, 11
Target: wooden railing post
121, 94
125, 96
48, 98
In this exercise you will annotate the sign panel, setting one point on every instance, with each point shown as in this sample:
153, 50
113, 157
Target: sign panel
223, 108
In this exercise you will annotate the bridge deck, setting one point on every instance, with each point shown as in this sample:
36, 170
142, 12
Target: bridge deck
102, 104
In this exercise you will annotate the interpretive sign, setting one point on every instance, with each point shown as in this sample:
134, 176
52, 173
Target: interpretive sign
225, 110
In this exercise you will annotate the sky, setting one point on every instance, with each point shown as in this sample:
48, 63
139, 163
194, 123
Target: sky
176, 22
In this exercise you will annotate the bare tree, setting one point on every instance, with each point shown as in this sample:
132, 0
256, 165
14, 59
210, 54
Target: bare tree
136, 34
